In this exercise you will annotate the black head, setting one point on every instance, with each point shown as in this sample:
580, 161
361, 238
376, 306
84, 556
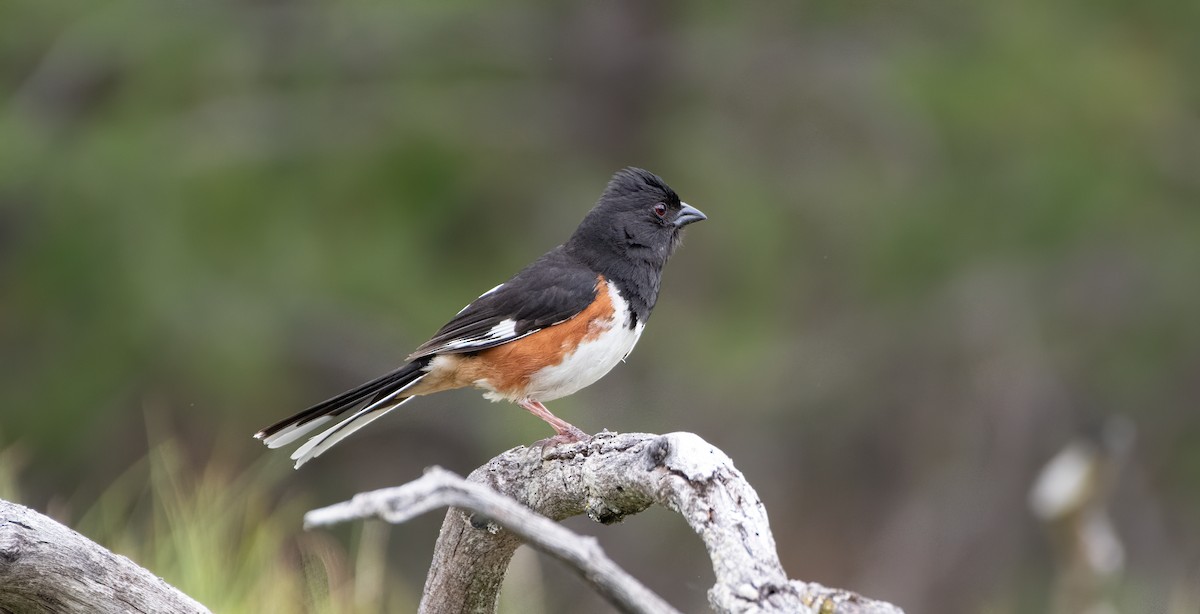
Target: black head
638, 216
630, 233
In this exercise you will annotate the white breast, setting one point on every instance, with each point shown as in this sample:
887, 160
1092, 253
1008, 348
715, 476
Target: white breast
593, 359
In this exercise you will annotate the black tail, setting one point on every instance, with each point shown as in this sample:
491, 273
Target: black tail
374, 398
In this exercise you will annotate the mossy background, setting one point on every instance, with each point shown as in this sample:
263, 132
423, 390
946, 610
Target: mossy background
944, 240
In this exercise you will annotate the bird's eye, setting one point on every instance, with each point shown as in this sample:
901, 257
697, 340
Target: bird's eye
660, 210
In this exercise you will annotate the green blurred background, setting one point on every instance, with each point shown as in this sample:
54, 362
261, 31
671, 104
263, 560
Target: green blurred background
944, 240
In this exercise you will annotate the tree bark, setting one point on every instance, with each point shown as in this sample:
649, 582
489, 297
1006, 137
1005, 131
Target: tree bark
609, 477
47, 567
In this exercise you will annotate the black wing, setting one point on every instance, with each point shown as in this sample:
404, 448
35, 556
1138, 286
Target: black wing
553, 289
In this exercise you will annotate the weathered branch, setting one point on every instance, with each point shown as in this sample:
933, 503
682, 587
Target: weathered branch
47, 567
439, 488
608, 478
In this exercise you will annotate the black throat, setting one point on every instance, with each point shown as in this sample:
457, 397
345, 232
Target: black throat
635, 269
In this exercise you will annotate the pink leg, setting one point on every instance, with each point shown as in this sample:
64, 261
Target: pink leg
566, 432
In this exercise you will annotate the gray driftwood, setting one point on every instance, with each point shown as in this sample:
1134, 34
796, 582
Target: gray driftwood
607, 478
47, 567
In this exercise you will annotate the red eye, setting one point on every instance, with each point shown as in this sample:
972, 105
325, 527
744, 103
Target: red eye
660, 210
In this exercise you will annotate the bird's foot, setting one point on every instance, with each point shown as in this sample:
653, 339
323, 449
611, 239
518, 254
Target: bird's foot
569, 434
551, 445
565, 432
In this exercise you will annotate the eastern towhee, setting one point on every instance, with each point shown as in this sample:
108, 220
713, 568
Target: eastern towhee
557, 326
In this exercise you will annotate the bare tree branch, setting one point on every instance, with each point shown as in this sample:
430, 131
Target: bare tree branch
47, 567
608, 478
440, 488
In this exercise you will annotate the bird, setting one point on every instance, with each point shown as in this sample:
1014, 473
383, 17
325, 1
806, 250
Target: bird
556, 327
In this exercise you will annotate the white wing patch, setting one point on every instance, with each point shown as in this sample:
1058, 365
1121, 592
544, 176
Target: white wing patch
505, 330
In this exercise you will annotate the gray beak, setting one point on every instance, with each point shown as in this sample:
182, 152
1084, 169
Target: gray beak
687, 215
